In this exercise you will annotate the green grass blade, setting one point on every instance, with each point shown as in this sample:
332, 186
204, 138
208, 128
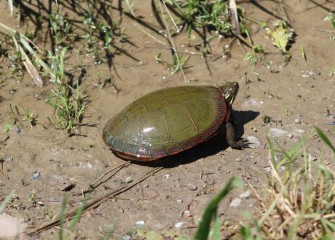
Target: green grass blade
62, 219
76, 218
210, 211
6, 200
215, 233
325, 138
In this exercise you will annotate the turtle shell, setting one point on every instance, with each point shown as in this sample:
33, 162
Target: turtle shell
166, 122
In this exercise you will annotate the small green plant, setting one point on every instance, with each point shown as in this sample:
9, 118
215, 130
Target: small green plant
332, 72
26, 51
281, 36
17, 116
30, 117
99, 33
214, 15
7, 127
255, 55
177, 64
65, 99
331, 18
60, 27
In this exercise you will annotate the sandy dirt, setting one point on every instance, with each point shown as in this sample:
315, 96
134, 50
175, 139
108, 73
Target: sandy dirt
39, 161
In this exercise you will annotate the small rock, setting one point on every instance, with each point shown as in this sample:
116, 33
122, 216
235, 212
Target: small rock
278, 157
69, 187
298, 132
267, 169
253, 142
297, 121
277, 132
35, 175
191, 187
245, 194
290, 135
129, 179
126, 237
252, 103
17, 130
187, 213
235, 202
167, 176
238, 160
140, 224
281, 169
85, 165
7, 158
179, 224
179, 200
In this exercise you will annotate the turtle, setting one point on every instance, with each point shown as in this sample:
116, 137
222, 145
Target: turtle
171, 120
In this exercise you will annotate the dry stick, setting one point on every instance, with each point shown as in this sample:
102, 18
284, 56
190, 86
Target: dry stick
236, 24
95, 203
96, 184
234, 19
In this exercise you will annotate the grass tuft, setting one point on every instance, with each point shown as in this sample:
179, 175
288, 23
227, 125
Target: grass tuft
65, 99
300, 200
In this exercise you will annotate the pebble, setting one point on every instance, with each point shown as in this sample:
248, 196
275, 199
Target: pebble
310, 73
298, 132
7, 158
17, 130
191, 187
85, 165
252, 103
35, 175
68, 187
246, 194
297, 121
267, 169
235, 202
140, 224
179, 224
253, 142
129, 179
187, 213
277, 132
166, 176
179, 200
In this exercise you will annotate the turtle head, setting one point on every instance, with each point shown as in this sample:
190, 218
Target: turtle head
229, 91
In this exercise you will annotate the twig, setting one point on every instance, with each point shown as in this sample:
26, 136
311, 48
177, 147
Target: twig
98, 181
93, 204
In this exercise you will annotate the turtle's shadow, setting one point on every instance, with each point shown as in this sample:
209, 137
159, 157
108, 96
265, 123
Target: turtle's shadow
208, 148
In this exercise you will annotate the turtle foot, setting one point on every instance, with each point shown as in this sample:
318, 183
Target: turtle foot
240, 144
249, 142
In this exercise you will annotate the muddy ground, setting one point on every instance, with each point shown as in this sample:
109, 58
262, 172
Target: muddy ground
39, 161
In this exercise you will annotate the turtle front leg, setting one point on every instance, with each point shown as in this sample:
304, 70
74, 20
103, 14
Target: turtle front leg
230, 136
